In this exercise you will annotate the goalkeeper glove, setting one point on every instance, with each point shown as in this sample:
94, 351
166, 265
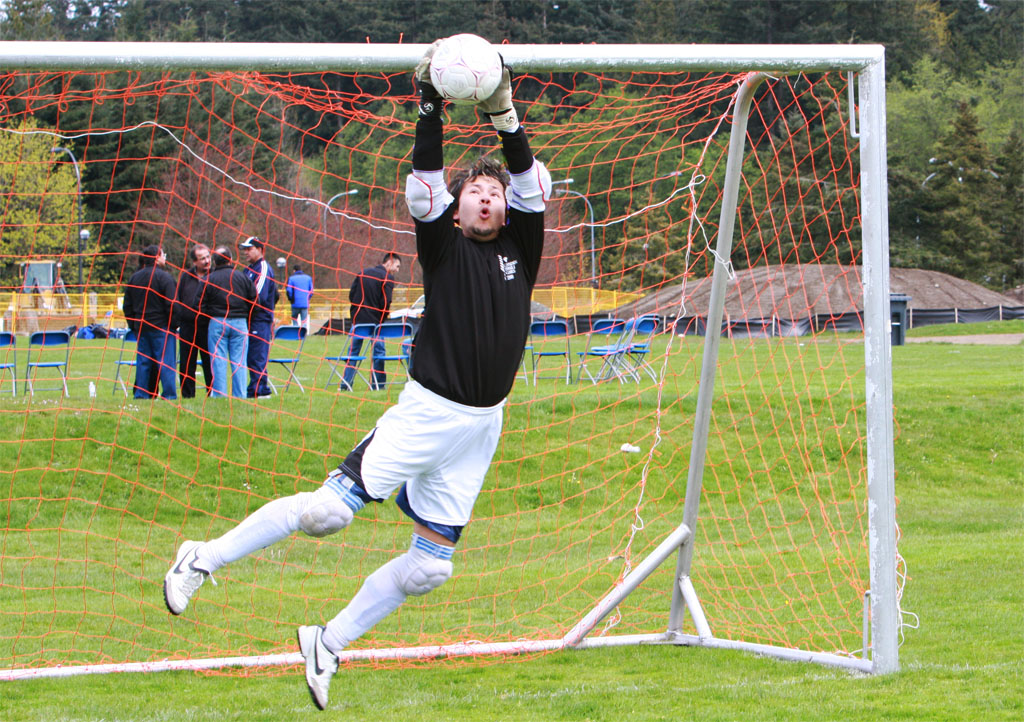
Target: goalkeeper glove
430, 101
498, 106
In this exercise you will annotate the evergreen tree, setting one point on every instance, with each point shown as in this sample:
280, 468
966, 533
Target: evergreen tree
960, 204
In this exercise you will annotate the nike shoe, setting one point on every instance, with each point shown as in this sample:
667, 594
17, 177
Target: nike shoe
321, 663
183, 579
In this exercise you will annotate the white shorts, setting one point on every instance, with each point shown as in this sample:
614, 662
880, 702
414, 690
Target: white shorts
439, 449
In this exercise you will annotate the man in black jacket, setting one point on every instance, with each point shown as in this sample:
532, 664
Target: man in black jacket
149, 309
227, 299
193, 327
370, 296
479, 241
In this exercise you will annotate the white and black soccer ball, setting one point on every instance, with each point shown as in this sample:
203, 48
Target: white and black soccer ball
465, 68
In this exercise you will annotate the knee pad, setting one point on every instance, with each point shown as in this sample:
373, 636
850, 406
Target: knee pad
324, 513
422, 573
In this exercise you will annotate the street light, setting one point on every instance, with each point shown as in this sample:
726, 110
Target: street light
327, 206
83, 235
590, 211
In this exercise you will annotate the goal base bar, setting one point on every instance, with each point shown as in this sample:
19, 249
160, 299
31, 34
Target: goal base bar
445, 651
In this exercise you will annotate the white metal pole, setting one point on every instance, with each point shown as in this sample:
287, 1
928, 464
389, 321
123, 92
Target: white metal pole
878, 372
712, 338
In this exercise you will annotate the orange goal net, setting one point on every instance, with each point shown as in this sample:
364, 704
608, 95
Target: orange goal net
98, 489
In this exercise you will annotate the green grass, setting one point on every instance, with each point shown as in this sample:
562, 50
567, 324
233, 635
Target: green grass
959, 432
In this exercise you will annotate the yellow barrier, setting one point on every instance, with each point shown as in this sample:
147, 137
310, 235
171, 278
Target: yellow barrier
25, 313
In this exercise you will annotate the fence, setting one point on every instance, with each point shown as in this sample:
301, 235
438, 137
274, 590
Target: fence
25, 313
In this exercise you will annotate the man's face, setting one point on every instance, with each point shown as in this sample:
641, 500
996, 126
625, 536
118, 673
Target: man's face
392, 266
202, 256
253, 254
161, 258
481, 211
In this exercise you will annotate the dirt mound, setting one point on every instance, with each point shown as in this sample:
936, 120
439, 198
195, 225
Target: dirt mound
813, 289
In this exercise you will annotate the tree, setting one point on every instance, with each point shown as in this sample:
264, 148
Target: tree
39, 201
960, 205
1010, 167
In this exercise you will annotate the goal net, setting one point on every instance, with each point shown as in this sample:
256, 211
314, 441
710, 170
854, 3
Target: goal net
711, 454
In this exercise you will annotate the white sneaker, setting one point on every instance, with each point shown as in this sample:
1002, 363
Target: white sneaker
321, 663
182, 581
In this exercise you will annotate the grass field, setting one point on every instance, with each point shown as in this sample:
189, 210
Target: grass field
960, 432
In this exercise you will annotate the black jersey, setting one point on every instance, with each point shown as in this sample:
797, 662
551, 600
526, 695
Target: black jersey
470, 343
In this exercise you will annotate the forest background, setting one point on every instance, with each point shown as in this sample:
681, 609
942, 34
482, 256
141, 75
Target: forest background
955, 82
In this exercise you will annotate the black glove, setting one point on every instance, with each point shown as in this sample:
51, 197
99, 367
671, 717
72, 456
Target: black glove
430, 101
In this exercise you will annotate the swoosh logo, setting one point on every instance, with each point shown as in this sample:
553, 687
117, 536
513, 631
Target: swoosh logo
178, 568
317, 669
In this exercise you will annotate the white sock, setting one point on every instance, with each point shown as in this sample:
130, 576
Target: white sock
380, 595
272, 522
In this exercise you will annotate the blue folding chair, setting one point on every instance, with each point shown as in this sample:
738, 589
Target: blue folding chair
614, 356
47, 345
10, 359
640, 346
289, 336
602, 328
396, 334
128, 338
365, 331
541, 346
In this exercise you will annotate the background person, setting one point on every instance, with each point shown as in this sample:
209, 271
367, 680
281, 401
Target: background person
299, 290
261, 321
226, 299
370, 296
193, 327
435, 445
149, 309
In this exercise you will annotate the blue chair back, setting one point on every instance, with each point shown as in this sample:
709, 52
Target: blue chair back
289, 333
49, 338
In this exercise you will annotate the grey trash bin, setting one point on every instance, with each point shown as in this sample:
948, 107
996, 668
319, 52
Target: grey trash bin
898, 314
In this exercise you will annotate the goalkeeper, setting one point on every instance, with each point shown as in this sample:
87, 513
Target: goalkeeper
479, 241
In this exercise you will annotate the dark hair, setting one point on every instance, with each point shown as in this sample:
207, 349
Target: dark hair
196, 247
391, 256
297, 268
148, 255
222, 256
483, 166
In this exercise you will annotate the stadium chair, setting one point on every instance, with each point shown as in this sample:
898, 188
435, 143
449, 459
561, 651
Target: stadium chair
127, 338
541, 347
640, 346
396, 333
290, 336
9, 360
364, 331
48, 346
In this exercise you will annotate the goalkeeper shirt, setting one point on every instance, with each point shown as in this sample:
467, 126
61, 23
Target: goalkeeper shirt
470, 342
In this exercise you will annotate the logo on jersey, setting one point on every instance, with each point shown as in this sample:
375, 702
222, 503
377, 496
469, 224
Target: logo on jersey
508, 268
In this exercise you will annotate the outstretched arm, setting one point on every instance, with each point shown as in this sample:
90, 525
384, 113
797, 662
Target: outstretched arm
425, 191
531, 182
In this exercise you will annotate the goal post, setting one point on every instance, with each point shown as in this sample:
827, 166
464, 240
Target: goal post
766, 473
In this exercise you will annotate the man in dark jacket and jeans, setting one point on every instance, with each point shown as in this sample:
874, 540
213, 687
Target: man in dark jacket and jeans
193, 327
261, 321
227, 300
370, 296
149, 309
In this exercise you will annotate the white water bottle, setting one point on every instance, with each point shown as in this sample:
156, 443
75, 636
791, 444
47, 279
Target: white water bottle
92, 390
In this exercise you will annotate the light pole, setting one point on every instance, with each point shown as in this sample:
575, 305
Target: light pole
327, 206
83, 234
323, 222
590, 211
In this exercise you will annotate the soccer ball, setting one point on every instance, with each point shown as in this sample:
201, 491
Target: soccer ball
465, 68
